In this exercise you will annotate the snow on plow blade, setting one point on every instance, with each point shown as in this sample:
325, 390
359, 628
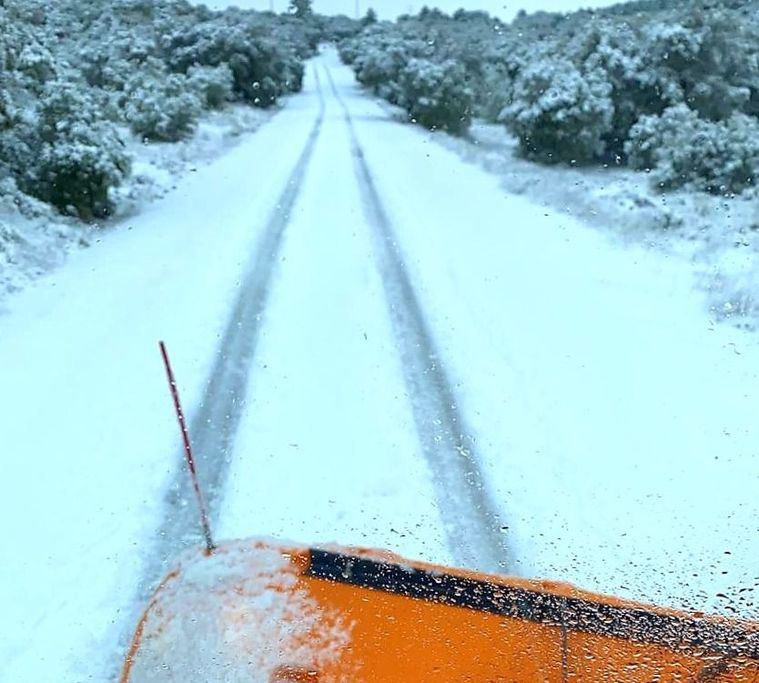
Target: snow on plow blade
259, 611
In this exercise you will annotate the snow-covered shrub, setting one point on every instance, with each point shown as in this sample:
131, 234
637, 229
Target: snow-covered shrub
558, 113
707, 60
261, 68
105, 70
651, 132
214, 84
349, 49
161, 107
436, 95
63, 107
36, 62
6, 107
76, 174
683, 149
496, 91
380, 69
381, 58
77, 155
335, 29
614, 51
71, 71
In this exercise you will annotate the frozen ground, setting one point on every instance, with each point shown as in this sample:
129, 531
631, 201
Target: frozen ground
351, 322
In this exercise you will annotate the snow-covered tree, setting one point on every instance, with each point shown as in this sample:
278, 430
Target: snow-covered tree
301, 8
369, 18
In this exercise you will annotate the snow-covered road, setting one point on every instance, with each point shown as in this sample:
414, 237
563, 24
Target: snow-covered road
376, 347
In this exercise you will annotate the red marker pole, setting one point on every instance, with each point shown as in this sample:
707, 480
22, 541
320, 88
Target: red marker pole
187, 449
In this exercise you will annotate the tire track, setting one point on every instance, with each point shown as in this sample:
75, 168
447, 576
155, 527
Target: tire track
469, 514
214, 424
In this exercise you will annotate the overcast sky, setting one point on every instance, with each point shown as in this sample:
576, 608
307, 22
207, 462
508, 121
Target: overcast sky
389, 9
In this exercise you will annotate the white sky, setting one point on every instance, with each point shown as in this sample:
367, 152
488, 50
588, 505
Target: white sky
388, 9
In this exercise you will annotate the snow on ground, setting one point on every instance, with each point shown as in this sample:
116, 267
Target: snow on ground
35, 238
615, 419
327, 447
716, 233
88, 433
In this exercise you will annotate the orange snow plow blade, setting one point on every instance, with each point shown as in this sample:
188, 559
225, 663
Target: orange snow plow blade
257, 611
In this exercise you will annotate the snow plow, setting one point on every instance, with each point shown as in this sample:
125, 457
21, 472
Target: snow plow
262, 611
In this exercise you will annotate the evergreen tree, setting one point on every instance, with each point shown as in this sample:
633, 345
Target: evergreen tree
370, 17
301, 8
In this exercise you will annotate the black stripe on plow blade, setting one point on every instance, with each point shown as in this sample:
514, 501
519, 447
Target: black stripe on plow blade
575, 614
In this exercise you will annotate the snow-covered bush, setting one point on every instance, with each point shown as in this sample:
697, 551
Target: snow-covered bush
161, 107
685, 150
74, 72
380, 63
558, 113
707, 60
213, 84
105, 70
613, 51
18, 147
76, 174
349, 49
74, 155
338, 28
436, 95
262, 70
36, 62
496, 91
573, 86
651, 132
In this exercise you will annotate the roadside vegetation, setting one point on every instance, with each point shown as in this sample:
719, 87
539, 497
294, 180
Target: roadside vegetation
669, 88
79, 76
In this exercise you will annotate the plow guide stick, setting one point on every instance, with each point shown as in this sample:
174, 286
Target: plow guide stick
187, 449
